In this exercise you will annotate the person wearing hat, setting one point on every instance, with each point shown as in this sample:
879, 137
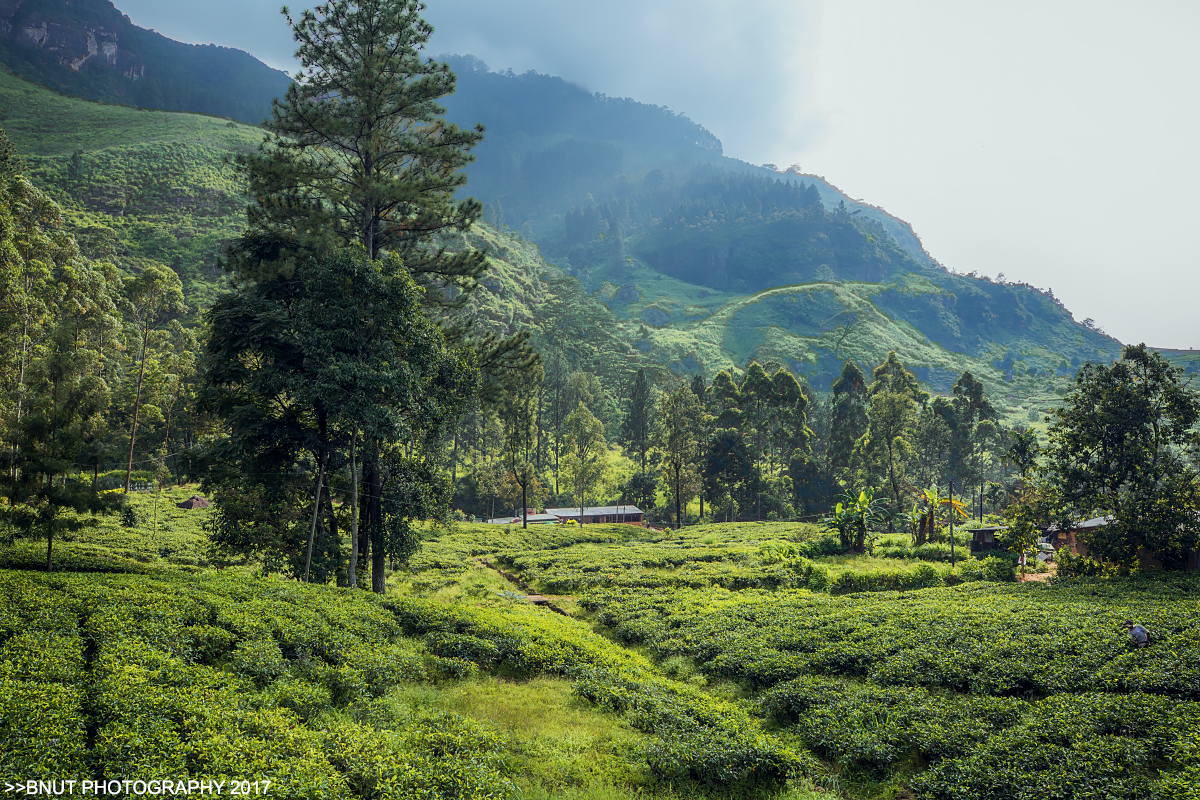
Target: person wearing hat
1139, 636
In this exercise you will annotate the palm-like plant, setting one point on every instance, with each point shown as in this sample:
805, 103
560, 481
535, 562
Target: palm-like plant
929, 503
853, 517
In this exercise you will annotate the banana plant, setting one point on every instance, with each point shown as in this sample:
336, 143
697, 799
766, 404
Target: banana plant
929, 503
853, 518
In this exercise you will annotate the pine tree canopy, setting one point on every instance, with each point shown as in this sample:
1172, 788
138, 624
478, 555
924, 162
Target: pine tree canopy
358, 150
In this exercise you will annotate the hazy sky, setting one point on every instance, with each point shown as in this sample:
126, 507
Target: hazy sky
1053, 141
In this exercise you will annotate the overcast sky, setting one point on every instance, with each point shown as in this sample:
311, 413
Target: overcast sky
1054, 141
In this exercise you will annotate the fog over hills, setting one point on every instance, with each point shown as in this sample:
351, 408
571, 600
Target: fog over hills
640, 204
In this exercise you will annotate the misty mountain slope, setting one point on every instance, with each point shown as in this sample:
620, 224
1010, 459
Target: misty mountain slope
627, 193
699, 261
90, 49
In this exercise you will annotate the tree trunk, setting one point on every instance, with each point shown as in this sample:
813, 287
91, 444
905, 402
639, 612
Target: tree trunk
374, 486
49, 549
678, 513
353, 515
525, 505
137, 404
312, 531
332, 529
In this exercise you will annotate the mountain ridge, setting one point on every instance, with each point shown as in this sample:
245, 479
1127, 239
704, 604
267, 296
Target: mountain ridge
90, 49
616, 191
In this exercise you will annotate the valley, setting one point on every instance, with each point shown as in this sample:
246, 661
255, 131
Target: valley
314, 445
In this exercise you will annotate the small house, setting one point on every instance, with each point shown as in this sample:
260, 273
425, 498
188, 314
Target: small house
531, 518
985, 538
1069, 539
625, 515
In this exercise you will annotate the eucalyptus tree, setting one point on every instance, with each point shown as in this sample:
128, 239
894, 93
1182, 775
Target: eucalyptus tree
638, 425
704, 431
974, 428
680, 415
886, 449
56, 318
848, 421
519, 416
32, 250
152, 300
586, 454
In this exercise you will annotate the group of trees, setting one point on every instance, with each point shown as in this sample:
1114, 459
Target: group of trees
1123, 446
327, 363
336, 367
888, 433
327, 367
96, 370
755, 444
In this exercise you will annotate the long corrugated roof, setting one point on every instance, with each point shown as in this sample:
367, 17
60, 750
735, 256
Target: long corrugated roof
594, 511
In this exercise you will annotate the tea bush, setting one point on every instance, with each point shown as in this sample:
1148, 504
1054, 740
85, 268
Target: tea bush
873, 727
1078, 746
224, 675
985, 638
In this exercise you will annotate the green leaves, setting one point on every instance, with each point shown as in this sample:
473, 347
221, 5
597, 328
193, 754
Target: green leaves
359, 152
1119, 446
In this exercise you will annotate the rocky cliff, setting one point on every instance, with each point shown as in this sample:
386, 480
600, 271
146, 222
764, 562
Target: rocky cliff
89, 48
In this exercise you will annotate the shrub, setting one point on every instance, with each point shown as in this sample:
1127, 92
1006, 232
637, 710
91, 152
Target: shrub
383, 666
209, 644
259, 659
452, 668
303, 697
818, 579
42, 656
999, 569
1070, 566
1081, 746
43, 731
468, 648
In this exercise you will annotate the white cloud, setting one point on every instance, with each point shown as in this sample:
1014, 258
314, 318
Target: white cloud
1054, 142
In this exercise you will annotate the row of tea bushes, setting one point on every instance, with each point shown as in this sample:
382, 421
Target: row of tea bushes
870, 726
988, 748
43, 728
1080, 746
690, 563
214, 679
695, 738
984, 638
979, 691
223, 676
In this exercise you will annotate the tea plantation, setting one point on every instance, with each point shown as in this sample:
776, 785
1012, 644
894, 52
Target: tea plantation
721, 661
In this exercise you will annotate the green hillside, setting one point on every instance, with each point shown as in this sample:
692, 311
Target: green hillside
149, 186
136, 186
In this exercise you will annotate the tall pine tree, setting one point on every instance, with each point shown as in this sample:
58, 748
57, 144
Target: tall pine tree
358, 150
